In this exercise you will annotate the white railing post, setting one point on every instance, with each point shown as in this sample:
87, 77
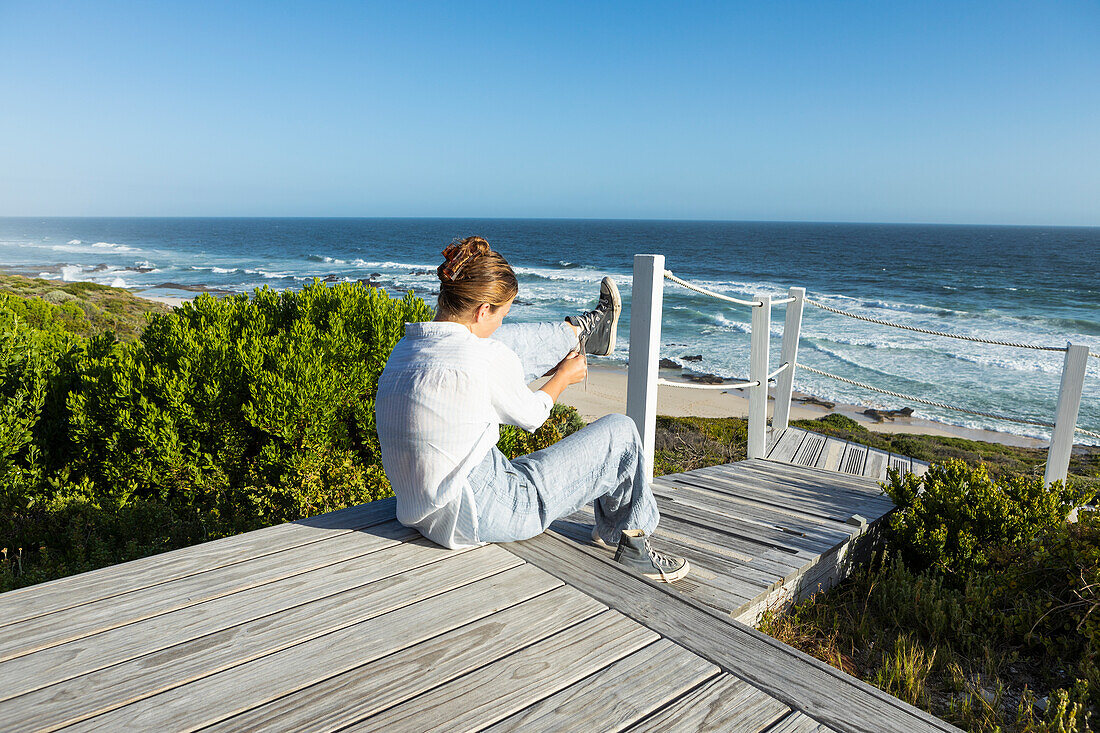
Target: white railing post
647, 297
1065, 421
784, 385
758, 372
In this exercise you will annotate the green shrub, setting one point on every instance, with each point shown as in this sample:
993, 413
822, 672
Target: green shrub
952, 516
224, 416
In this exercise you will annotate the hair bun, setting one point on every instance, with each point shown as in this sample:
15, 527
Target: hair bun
458, 254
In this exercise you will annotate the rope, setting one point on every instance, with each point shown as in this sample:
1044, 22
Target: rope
923, 401
704, 291
933, 403
737, 385
829, 308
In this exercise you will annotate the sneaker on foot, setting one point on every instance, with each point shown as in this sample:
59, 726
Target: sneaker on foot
635, 553
597, 327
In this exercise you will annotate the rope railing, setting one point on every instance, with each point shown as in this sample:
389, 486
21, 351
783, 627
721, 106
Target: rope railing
944, 405
931, 332
687, 385
685, 284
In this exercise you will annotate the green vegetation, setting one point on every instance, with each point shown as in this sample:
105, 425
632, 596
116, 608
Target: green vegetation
83, 308
982, 606
222, 416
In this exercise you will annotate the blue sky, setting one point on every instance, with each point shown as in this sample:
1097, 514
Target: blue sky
932, 112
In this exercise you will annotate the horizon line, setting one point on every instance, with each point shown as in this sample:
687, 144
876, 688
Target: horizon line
563, 218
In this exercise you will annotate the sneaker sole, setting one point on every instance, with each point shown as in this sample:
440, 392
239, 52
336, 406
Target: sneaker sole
670, 577
617, 308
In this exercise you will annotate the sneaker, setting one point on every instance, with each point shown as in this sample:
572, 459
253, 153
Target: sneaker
635, 553
597, 327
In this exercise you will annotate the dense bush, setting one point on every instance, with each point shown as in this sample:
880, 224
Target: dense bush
952, 516
225, 415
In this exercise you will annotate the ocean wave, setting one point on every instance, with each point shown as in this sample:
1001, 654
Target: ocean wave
74, 241
589, 276
325, 259
224, 270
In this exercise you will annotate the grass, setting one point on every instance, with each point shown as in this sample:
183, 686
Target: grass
99, 308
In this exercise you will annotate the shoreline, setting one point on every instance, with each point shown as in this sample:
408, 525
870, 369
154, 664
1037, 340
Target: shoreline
606, 394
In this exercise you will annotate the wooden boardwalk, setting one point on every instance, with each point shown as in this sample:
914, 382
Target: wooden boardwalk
349, 621
759, 534
803, 448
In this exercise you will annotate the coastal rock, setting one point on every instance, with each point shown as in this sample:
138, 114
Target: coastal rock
705, 378
668, 364
880, 415
696, 357
811, 400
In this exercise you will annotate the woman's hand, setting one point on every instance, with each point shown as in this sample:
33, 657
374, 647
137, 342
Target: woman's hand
573, 368
570, 370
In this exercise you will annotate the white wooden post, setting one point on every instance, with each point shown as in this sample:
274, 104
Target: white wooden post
1069, 403
784, 384
647, 297
758, 372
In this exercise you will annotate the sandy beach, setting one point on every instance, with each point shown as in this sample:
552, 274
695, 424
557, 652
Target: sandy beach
606, 393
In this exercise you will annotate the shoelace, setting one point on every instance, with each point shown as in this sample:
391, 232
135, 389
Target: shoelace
660, 560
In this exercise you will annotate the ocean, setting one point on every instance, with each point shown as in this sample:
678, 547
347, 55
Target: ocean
1037, 285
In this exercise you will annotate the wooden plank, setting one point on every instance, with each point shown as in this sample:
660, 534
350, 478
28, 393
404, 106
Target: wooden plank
776, 491
43, 632
803, 502
854, 458
794, 678
723, 704
784, 448
327, 697
392, 613
806, 475
616, 696
902, 464
807, 453
500, 689
796, 543
56, 595
829, 459
784, 476
799, 722
827, 502
785, 521
875, 467
920, 467
59, 663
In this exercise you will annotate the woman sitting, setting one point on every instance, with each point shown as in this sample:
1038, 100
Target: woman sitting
450, 383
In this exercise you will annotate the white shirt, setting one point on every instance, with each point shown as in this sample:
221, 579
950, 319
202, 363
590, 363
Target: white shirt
441, 400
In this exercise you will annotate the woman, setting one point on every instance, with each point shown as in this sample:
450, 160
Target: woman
450, 383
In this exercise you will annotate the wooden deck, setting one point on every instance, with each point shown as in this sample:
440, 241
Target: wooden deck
803, 448
759, 534
350, 621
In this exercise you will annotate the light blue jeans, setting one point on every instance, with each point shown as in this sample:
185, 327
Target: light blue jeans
600, 463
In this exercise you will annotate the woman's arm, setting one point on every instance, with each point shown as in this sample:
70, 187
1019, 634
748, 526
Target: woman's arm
572, 369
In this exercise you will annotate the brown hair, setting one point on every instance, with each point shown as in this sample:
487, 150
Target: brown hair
473, 274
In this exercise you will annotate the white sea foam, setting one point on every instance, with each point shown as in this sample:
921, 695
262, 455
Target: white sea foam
118, 282
75, 241
72, 273
224, 270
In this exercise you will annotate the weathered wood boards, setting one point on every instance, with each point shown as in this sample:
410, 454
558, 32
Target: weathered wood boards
791, 677
804, 448
349, 621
